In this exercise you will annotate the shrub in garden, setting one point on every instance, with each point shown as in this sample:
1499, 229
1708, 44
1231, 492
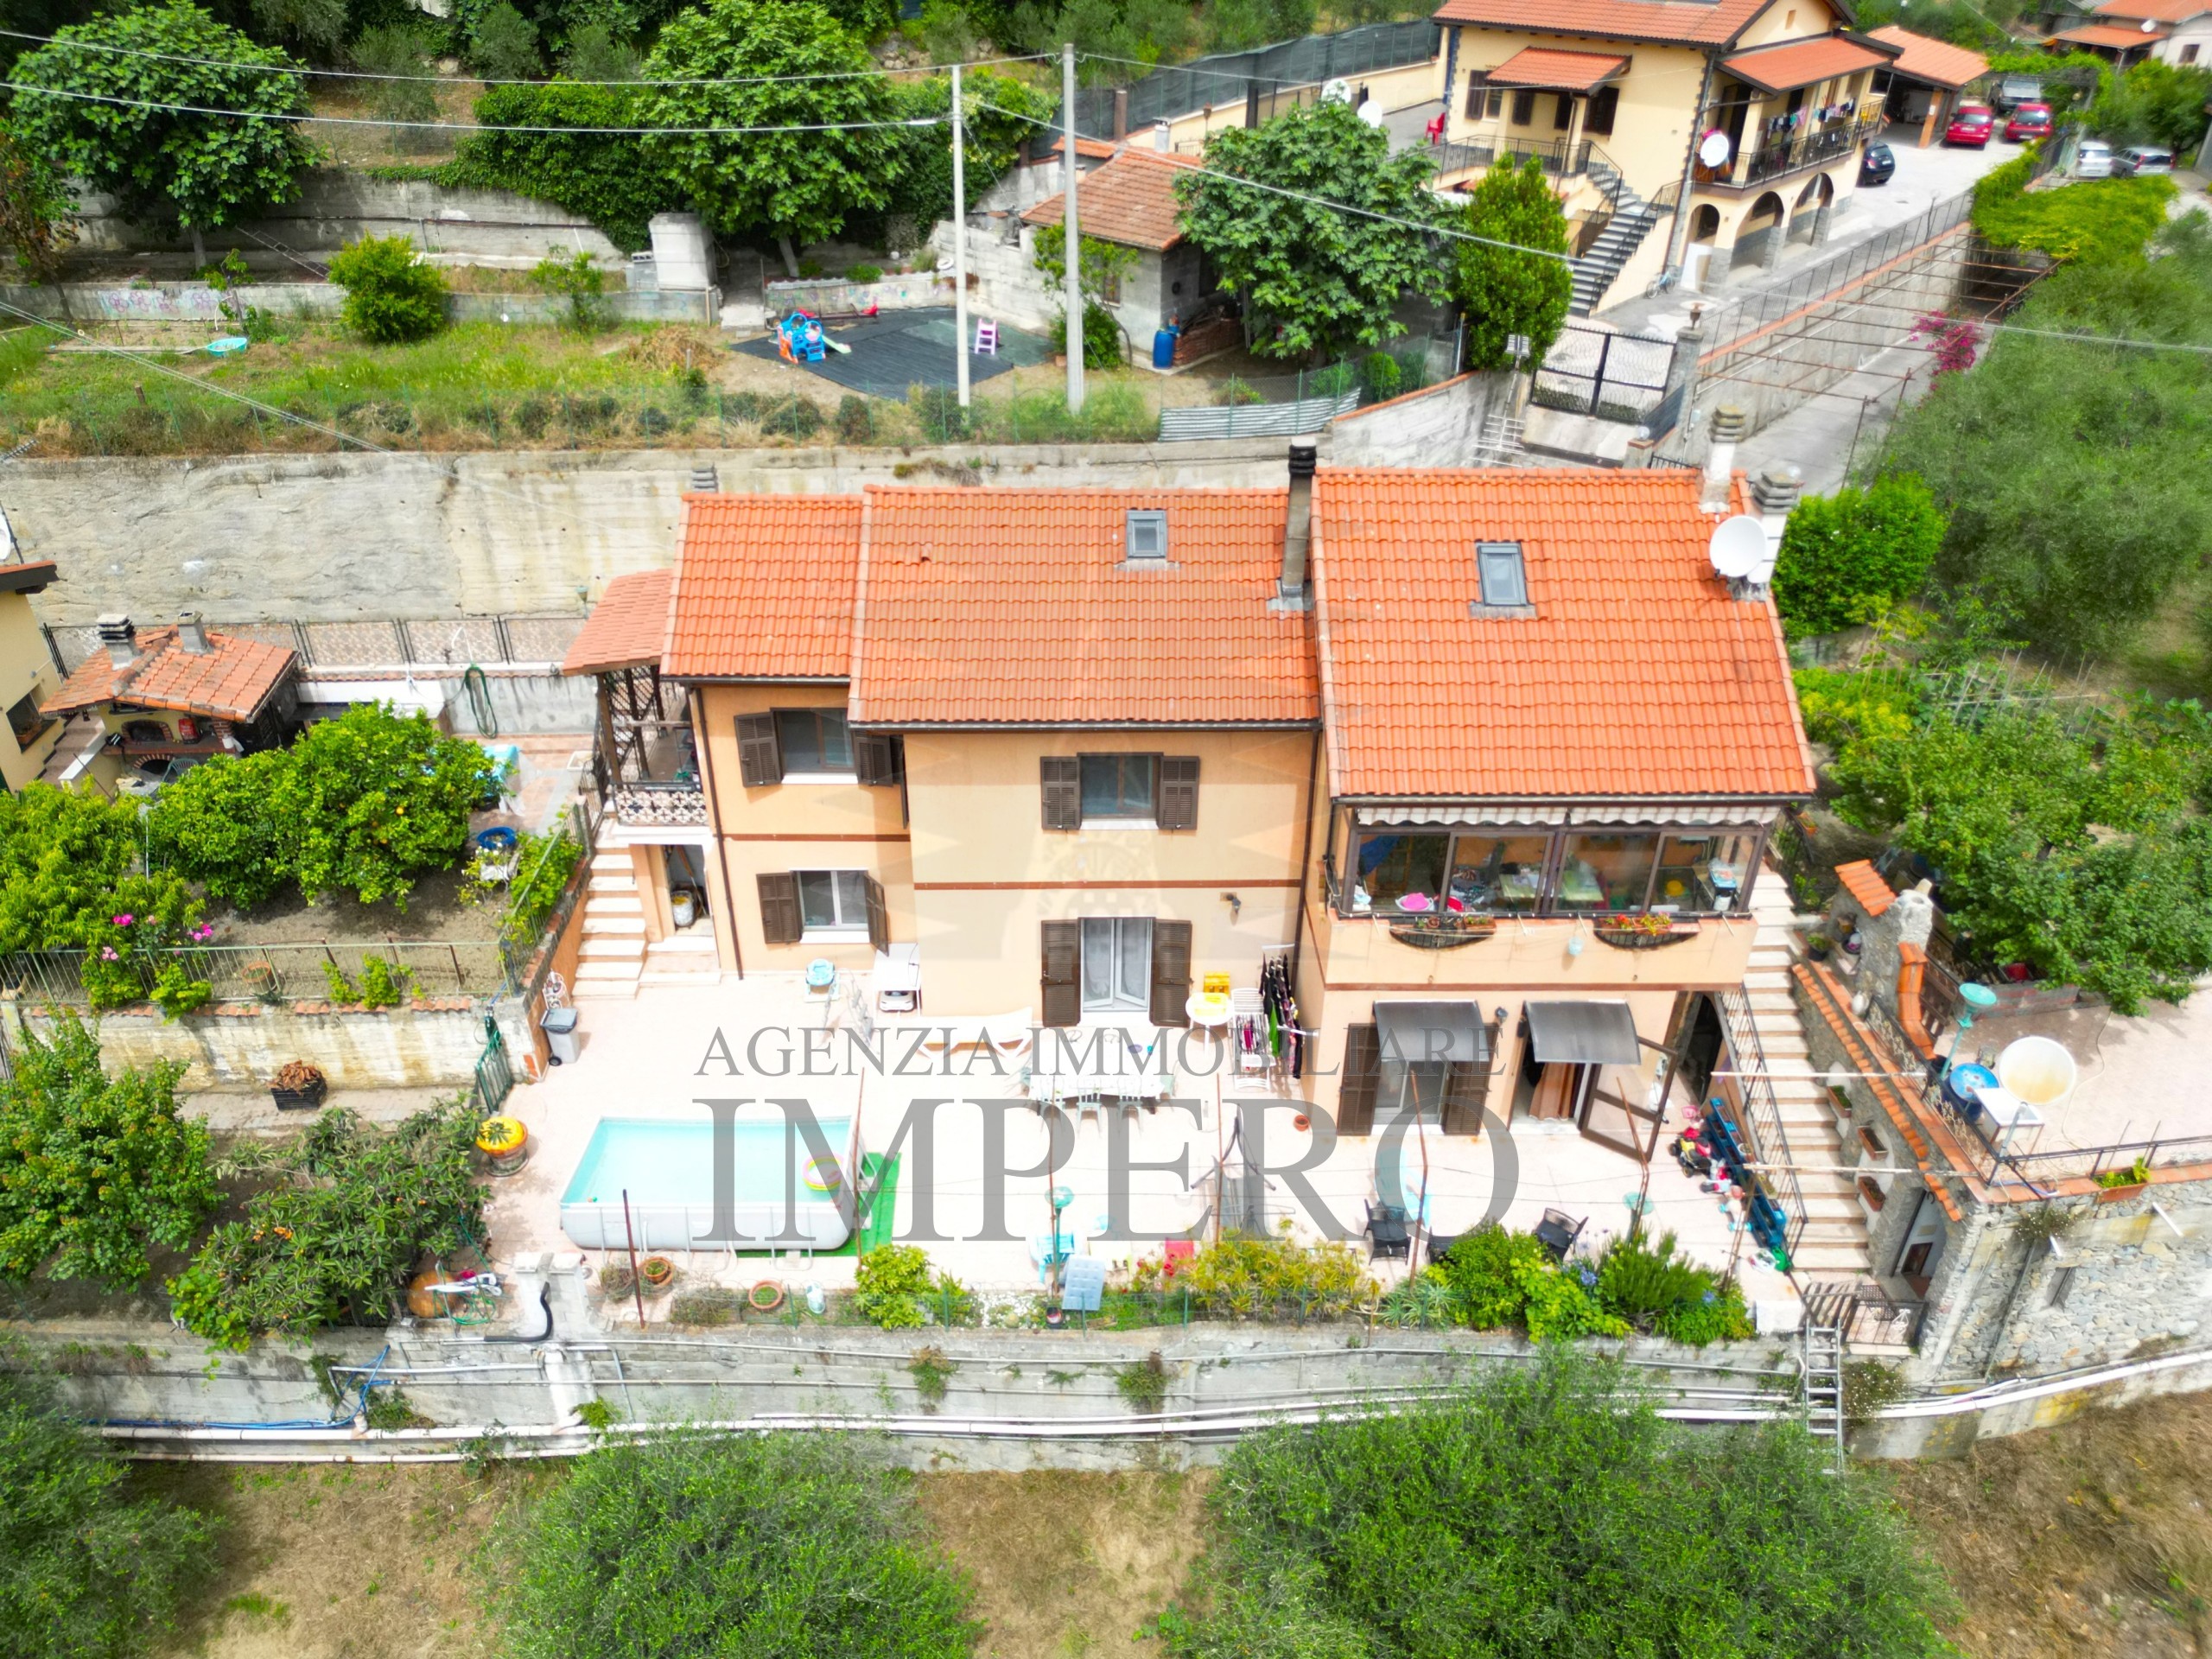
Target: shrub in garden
87, 1571
72, 879
392, 298
1847, 557
1654, 1288
1243, 1277
855, 422
374, 799
581, 284
1505, 1279
894, 1286
805, 1547
95, 1172
216, 825
1551, 1511
353, 1209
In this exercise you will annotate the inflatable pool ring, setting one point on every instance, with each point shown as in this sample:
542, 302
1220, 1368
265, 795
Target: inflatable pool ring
823, 1175
765, 1297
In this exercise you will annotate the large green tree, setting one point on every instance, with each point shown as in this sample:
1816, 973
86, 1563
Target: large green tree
807, 1546
1505, 293
2155, 103
86, 1571
795, 185
89, 115
38, 219
95, 1170
594, 173
1317, 279
1847, 557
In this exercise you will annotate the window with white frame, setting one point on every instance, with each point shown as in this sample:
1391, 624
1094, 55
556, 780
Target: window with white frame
833, 902
814, 741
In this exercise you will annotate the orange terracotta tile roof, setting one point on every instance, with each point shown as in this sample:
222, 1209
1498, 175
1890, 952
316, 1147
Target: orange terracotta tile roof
2110, 35
1937, 62
1016, 607
1803, 63
2158, 12
1131, 201
627, 628
1864, 884
764, 588
1681, 20
1636, 675
1571, 71
230, 681
1097, 149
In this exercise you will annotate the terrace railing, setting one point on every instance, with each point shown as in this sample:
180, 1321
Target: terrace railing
264, 973
1762, 1112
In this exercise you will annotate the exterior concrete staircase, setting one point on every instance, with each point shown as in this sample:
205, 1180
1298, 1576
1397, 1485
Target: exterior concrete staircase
686, 958
613, 958
1834, 1245
1633, 217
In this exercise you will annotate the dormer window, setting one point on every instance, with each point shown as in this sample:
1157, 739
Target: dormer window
1145, 534
1504, 581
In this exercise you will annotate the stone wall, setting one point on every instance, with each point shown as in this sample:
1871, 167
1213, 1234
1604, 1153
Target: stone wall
345, 538
154, 302
433, 1043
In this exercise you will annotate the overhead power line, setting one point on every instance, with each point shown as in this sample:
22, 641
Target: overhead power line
478, 80
469, 126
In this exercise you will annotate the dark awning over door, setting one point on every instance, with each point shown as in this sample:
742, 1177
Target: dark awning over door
1583, 1034
1432, 1031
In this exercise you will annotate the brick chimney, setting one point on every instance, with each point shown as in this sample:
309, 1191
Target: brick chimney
1297, 527
191, 638
121, 639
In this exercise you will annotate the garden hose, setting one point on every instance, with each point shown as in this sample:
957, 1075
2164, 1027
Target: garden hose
479, 701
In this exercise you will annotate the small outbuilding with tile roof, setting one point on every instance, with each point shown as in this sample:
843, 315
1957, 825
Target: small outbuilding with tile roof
1130, 202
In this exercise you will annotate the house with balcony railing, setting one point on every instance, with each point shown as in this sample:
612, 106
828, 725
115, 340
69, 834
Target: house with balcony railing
1688, 139
2032, 1206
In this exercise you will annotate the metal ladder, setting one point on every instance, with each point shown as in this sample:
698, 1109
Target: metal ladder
1823, 1386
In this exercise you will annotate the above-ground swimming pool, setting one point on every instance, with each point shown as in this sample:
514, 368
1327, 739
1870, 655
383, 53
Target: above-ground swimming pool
667, 1167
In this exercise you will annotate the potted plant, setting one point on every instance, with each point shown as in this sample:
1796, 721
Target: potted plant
1818, 946
298, 1087
655, 1273
2123, 1182
615, 1280
1645, 931
264, 981
504, 1142
1442, 930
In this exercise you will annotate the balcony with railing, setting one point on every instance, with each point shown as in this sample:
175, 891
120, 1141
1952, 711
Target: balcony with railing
1798, 152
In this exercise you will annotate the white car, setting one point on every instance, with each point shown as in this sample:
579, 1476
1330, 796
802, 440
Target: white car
2093, 160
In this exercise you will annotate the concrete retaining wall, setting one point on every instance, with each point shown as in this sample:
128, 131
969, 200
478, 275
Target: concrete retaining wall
1441, 426
197, 303
434, 1043
348, 536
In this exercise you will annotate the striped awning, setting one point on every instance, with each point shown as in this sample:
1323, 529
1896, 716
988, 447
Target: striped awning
1724, 813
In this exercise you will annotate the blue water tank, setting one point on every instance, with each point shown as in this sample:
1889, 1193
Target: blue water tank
1163, 349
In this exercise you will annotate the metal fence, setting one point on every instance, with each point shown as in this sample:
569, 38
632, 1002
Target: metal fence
1230, 76
454, 642
1762, 1112
1594, 370
1865, 1313
267, 973
1255, 419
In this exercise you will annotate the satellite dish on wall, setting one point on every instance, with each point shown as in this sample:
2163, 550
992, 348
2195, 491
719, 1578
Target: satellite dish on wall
1713, 148
1738, 547
1338, 91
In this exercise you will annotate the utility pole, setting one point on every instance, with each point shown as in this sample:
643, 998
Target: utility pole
1073, 291
960, 342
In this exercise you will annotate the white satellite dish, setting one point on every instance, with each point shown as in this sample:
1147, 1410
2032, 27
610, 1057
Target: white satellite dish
2149, 25
1738, 547
1338, 91
1713, 148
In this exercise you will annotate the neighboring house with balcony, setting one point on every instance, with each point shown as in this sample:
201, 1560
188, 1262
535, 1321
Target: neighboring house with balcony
2179, 32
1732, 129
28, 675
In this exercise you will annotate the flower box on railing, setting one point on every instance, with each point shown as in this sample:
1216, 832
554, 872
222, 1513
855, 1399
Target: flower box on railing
1648, 933
1445, 931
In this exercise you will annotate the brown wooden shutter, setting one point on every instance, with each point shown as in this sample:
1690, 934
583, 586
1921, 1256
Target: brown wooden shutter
780, 923
1178, 791
1063, 978
1171, 973
878, 914
879, 759
1356, 1089
1467, 1086
759, 757
1062, 778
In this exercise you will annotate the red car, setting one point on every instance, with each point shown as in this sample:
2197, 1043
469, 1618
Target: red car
2028, 122
1973, 124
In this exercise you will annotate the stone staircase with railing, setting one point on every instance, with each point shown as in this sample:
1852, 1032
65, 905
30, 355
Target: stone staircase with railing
1834, 1243
612, 957
1631, 221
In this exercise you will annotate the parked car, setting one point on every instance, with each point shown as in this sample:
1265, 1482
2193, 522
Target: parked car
2143, 161
1877, 163
2027, 122
1971, 124
2093, 160
2016, 90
